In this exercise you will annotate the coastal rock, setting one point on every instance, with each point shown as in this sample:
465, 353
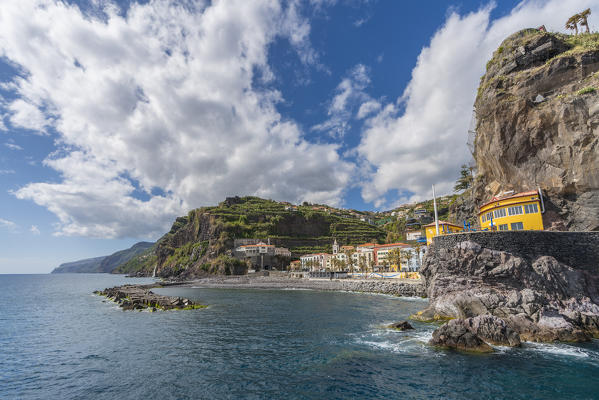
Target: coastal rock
522, 143
456, 335
540, 299
493, 330
140, 297
401, 326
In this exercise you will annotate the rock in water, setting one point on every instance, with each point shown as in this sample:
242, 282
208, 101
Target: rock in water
456, 335
401, 326
493, 330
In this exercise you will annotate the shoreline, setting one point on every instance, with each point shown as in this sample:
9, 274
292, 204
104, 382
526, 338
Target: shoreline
394, 287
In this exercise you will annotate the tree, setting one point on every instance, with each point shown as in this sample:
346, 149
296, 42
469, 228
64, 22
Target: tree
584, 18
465, 180
394, 257
572, 23
407, 255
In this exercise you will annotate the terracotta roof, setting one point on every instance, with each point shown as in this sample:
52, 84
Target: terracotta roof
366, 245
392, 245
442, 223
522, 194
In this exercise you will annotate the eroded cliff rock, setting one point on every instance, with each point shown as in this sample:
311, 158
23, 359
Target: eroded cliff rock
537, 115
539, 299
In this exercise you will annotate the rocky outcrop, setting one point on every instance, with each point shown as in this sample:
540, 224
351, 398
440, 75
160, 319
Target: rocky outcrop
140, 297
401, 326
456, 335
537, 114
540, 299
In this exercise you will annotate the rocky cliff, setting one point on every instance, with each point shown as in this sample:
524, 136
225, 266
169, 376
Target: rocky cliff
537, 114
104, 264
535, 296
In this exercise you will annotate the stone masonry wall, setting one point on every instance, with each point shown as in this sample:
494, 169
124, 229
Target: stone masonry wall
577, 249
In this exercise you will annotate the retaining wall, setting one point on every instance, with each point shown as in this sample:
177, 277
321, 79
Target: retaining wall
576, 249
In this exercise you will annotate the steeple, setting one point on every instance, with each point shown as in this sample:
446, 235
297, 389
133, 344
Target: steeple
335, 247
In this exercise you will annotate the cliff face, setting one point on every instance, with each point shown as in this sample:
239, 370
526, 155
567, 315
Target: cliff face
104, 264
537, 115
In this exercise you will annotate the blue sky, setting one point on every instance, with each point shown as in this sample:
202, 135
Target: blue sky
115, 117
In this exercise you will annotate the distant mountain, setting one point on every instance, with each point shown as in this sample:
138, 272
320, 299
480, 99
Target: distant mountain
105, 263
87, 265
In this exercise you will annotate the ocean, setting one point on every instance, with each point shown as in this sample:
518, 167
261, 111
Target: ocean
60, 341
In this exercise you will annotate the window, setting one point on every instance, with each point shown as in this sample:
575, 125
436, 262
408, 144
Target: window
516, 210
499, 213
503, 227
489, 216
531, 208
517, 226
483, 218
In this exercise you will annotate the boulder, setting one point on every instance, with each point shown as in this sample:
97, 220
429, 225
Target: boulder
401, 326
493, 330
456, 335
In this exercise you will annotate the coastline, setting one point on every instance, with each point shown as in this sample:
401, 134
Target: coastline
394, 287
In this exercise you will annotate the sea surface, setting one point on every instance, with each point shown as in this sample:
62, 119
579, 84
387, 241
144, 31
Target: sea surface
59, 341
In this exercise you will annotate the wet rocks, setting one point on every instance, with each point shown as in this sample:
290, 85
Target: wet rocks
456, 335
401, 326
500, 294
140, 297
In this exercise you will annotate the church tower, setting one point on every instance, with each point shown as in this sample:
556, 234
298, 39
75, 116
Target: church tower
335, 247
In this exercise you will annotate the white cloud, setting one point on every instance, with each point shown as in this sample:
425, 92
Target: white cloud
368, 108
28, 116
161, 101
420, 140
349, 93
7, 171
4, 223
34, 229
13, 146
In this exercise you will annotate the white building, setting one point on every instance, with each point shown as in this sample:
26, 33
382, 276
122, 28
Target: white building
414, 235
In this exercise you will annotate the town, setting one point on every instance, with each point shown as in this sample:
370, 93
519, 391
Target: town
507, 211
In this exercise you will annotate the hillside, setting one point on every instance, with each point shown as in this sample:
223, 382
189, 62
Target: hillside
103, 264
537, 115
83, 266
201, 242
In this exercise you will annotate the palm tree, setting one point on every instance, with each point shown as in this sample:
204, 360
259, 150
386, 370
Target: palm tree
407, 256
395, 258
572, 22
583, 17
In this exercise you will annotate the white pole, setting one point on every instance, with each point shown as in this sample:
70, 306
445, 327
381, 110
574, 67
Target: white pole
435, 206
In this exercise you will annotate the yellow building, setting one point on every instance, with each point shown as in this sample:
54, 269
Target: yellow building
514, 212
444, 229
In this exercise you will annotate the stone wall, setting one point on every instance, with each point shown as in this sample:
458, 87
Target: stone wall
577, 249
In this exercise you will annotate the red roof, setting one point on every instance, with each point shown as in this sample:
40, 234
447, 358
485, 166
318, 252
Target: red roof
523, 194
392, 245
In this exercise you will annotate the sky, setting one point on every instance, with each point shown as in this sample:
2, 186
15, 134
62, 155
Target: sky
118, 116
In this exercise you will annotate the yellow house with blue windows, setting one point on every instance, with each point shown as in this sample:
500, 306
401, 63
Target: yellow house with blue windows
444, 229
516, 212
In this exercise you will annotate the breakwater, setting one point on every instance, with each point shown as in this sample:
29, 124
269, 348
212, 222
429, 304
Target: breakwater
139, 297
394, 287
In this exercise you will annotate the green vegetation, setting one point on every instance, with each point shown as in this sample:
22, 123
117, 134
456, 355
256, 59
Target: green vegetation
142, 262
586, 90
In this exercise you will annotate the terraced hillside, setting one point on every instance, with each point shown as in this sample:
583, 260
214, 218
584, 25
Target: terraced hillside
201, 242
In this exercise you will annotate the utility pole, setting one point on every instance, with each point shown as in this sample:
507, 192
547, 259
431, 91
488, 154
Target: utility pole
435, 207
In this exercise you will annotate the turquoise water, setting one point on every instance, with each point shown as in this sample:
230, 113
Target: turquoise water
58, 341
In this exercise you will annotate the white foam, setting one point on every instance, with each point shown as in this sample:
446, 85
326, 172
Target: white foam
558, 349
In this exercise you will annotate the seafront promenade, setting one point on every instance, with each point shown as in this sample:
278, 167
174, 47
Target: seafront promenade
395, 287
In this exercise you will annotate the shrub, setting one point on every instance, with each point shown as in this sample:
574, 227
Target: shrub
586, 90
